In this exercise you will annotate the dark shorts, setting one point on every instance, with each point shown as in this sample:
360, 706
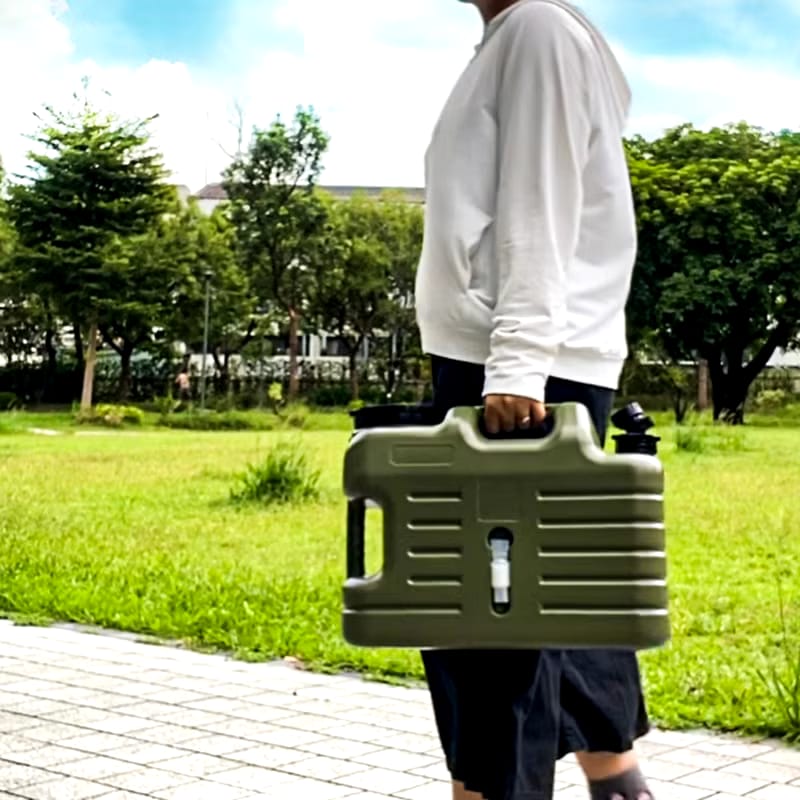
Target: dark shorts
506, 717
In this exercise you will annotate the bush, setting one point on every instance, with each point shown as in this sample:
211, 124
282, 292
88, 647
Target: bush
330, 396
284, 477
8, 401
296, 415
216, 421
112, 416
772, 400
690, 440
696, 439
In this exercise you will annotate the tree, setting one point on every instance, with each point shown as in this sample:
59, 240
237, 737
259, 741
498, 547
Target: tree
96, 182
205, 246
365, 274
150, 273
278, 215
717, 276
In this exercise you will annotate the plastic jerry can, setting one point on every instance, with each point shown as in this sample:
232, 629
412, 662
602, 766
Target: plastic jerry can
542, 540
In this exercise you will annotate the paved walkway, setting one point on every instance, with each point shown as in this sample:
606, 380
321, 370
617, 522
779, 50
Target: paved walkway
94, 716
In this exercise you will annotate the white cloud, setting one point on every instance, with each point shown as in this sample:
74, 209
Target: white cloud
376, 72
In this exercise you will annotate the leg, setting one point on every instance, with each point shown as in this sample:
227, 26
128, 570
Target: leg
601, 766
602, 704
460, 793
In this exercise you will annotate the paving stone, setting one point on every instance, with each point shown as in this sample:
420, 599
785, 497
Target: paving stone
216, 745
64, 789
146, 754
266, 755
308, 789
202, 790
776, 792
255, 779
340, 748
400, 760
428, 791
783, 756
95, 768
382, 780
718, 781
322, 768
676, 791
777, 773
15, 776
696, 758
147, 780
97, 742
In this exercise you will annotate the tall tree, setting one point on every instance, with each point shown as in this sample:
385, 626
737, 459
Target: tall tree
95, 180
718, 273
365, 274
205, 245
149, 272
277, 216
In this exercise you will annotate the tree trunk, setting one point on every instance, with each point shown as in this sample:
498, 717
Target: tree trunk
88, 369
125, 354
294, 349
702, 385
729, 391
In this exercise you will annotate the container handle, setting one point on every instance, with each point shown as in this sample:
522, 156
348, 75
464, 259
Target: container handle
356, 522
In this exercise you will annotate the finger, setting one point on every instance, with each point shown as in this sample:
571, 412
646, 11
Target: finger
491, 420
525, 417
508, 419
539, 413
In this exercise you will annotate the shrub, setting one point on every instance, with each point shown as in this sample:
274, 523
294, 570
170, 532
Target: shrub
700, 439
690, 440
111, 416
284, 477
8, 401
296, 415
216, 421
771, 400
330, 396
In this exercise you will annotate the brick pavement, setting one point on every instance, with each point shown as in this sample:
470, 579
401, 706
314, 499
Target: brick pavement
84, 716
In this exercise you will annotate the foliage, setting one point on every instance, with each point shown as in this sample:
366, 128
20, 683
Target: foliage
283, 477
277, 216
111, 416
204, 247
94, 181
719, 217
771, 400
218, 421
8, 401
365, 271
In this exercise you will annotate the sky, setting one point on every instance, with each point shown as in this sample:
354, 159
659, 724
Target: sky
375, 71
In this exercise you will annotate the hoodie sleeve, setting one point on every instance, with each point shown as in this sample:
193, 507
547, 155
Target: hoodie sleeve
544, 129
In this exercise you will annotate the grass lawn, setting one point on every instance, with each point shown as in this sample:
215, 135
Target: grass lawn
133, 530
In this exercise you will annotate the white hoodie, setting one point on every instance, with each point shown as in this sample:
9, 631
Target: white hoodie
530, 234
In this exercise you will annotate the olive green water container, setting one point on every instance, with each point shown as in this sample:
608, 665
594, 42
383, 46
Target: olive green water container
544, 541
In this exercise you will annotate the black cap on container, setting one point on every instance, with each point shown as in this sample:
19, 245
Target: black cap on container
635, 423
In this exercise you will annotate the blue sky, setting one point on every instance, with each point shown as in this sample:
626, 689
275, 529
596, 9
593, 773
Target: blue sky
376, 71
189, 30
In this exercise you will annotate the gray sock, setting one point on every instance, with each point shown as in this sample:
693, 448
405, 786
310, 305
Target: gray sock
630, 785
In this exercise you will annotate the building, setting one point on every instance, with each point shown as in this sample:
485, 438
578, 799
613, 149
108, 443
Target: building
211, 195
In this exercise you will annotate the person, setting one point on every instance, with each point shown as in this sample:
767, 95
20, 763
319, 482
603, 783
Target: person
184, 384
521, 290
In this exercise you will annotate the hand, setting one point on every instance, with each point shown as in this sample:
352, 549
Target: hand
507, 412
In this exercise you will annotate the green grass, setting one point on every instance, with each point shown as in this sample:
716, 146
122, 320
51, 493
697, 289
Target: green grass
136, 531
